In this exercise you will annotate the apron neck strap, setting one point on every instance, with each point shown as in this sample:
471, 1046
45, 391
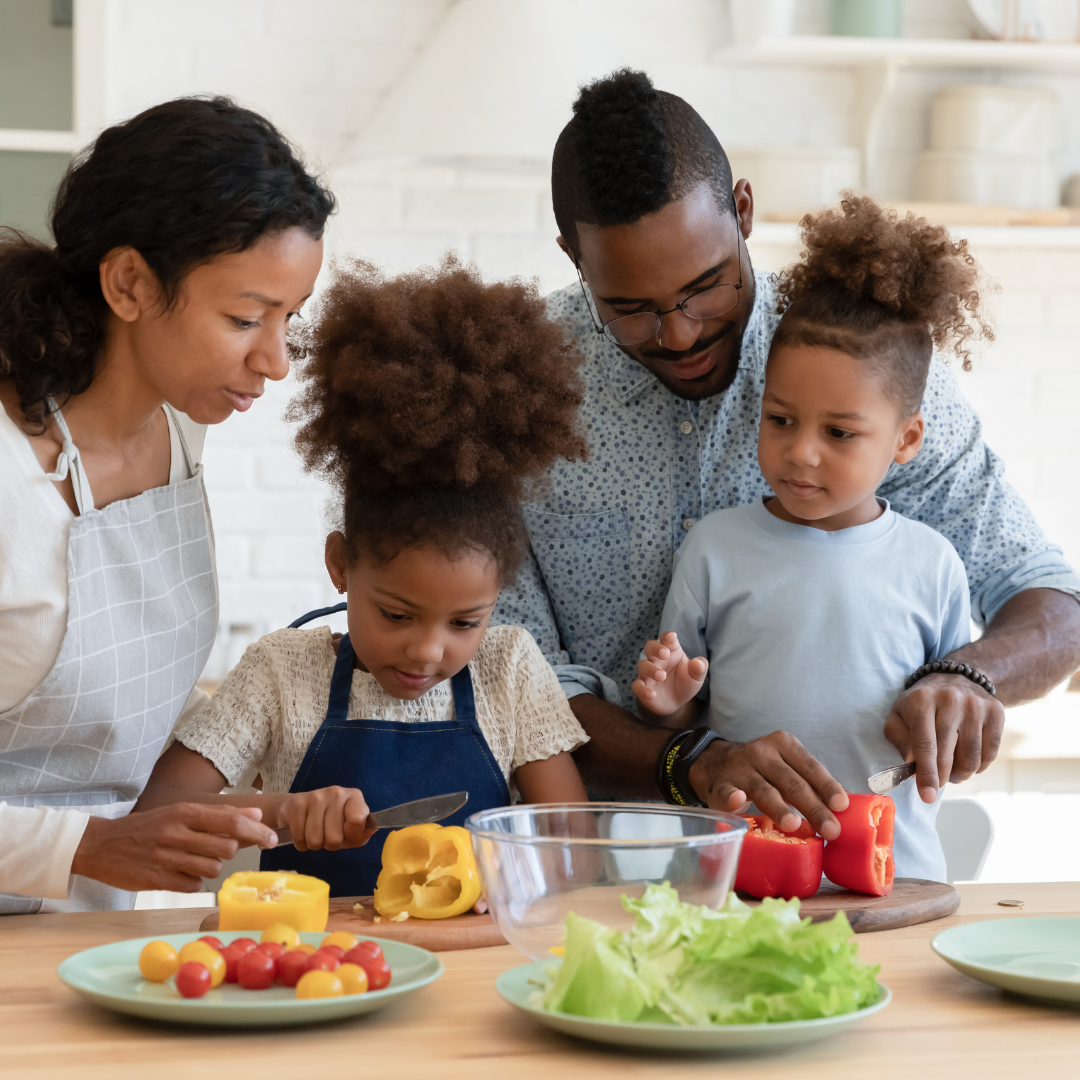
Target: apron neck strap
69, 463
318, 613
464, 701
174, 422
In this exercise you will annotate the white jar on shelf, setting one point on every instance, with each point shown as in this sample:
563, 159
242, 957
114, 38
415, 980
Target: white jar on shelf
1007, 119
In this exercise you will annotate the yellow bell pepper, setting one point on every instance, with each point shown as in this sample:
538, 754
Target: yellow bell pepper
255, 900
428, 872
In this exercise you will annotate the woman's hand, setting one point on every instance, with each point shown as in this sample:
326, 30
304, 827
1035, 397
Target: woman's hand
668, 680
326, 819
174, 847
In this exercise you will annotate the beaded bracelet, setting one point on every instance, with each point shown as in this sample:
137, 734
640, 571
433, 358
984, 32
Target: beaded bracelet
951, 667
673, 765
665, 760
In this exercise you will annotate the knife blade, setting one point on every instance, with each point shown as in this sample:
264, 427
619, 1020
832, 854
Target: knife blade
883, 782
416, 812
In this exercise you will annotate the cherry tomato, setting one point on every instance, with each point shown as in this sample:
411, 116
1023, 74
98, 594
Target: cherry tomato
319, 984
305, 948
193, 979
158, 961
365, 948
342, 939
353, 977
282, 934
291, 966
213, 942
244, 944
322, 961
210, 958
378, 972
273, 949
334, 950
255, 970
232, 957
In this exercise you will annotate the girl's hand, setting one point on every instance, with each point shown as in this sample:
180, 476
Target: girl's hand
326, 819
667, 678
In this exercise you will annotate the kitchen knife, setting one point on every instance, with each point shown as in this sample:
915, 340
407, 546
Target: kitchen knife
883, 782
417, 812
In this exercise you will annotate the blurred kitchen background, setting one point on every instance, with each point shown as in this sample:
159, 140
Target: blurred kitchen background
434, 120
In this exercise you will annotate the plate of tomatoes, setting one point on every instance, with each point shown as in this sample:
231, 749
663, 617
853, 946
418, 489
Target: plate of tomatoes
268, 978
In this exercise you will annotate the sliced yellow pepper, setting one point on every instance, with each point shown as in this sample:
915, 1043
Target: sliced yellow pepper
428, 872
258, 899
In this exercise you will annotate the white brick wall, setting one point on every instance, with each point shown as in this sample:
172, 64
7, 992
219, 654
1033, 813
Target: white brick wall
318, 68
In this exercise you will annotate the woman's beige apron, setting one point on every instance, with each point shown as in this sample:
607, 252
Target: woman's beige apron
142, 616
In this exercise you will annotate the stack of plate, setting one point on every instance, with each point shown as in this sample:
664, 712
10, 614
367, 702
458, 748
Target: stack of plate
992, 144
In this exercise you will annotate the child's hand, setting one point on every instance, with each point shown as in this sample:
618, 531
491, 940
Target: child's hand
667, 678
328, 818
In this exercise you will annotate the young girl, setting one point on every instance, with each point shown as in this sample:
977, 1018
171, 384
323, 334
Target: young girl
433, 403
809, 610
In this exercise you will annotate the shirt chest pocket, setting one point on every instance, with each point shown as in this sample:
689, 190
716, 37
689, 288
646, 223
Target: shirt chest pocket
585, 560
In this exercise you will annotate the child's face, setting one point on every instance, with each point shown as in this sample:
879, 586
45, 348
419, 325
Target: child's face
828, 434
417, 619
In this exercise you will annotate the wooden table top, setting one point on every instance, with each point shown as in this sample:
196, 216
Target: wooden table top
940, 1023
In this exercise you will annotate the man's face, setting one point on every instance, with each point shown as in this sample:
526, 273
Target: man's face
659, 261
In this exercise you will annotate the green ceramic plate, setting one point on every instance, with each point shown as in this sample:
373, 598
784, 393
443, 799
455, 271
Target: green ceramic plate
519, 987
1037, 956
109, 975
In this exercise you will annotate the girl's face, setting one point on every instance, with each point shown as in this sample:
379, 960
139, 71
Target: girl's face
212, 352
418, 619
828, 434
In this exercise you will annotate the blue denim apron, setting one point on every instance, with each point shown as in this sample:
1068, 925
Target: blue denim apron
390, 762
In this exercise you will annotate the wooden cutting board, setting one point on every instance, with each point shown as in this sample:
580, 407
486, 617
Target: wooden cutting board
912, 900
439, 935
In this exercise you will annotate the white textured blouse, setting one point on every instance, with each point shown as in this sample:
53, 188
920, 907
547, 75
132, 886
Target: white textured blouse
268, 708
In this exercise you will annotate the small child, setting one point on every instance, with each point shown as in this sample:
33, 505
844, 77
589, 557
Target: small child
813, 606
433, 403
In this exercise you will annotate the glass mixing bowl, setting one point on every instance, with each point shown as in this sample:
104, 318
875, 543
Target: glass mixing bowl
541, 862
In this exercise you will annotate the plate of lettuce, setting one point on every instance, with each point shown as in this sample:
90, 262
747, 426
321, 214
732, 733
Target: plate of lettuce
686, 977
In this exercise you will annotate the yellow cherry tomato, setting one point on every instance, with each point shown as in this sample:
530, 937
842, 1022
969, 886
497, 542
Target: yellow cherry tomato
282, 934
158, 961
206, 955
353, 977
319, 984
342, 939
305, 948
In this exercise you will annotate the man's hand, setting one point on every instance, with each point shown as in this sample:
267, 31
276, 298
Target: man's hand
667, 678
326, 819
776, 773
173, 848
950, 727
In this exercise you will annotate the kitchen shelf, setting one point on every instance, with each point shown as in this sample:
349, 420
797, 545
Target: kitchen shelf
854, 52
42, 142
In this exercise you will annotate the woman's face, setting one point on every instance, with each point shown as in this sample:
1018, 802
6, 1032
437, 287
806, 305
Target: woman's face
213, 350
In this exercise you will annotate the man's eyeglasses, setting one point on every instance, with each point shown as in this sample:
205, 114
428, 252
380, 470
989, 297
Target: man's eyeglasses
643, 325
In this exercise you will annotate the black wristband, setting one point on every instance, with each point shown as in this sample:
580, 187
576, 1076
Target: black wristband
665, 762
951, 667
683, 754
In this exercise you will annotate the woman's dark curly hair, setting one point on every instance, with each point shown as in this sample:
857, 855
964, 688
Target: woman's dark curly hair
180, 183
883, 290
434, 404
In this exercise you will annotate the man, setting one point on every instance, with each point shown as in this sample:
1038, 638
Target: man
676, 328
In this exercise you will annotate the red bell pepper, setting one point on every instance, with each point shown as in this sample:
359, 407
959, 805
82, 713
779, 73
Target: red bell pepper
861, 857
775, 863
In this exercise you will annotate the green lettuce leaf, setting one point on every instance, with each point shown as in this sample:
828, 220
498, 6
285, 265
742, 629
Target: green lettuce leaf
686, 964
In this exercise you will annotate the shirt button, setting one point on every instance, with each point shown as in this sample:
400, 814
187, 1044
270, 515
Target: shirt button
686, 427
687, 523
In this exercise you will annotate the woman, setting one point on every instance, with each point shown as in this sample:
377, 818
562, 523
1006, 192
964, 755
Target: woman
186, 239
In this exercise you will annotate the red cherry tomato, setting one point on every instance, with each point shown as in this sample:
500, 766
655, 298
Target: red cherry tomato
378, 971
193, 979
255, 970
364, 948
291, 966
336, 950
322, 961
232, 958
213, 942
271, 949
244, 944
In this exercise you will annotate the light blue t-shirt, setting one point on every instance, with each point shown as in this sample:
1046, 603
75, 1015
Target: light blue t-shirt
814, 633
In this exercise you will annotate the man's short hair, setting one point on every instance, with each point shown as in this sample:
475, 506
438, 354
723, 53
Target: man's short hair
628, 151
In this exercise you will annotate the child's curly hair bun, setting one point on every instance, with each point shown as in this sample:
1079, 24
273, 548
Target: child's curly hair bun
435, 402
868, 278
